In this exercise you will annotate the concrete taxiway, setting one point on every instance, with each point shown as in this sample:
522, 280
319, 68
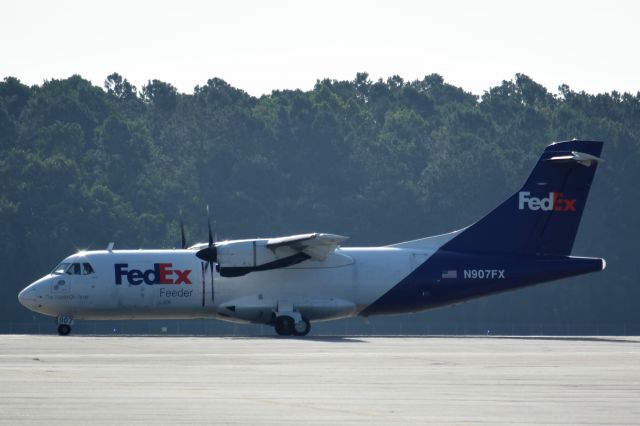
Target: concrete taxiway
319, 381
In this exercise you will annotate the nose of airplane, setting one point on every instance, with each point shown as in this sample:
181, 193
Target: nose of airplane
27, 297
31, 296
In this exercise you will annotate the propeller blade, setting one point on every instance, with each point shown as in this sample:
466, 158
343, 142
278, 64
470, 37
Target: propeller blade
184, 239
209, 254
212, 288
209, 224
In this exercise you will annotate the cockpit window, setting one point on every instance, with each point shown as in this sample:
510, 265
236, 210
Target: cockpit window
87, 269
60, 269
73, 269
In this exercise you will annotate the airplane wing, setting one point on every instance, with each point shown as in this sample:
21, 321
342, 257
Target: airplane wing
316, 245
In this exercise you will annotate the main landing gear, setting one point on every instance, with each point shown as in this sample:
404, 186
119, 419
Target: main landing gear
286, 326
287, 321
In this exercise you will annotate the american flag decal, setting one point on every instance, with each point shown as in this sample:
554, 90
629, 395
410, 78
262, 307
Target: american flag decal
450, 274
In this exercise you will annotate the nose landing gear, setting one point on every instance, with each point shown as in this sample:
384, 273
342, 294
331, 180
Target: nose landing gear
64, 325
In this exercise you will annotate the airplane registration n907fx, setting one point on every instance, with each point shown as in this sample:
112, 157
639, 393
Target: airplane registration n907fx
290, 282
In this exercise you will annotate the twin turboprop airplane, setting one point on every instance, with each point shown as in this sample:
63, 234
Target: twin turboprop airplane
289, 282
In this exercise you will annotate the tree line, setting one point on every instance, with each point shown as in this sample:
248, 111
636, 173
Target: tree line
380, 161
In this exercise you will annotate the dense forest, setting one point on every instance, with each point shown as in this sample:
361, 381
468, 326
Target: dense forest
379, 161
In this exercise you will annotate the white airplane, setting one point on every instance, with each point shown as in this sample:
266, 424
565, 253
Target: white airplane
290, 282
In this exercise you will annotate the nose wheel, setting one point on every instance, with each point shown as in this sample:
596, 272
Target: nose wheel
64, 324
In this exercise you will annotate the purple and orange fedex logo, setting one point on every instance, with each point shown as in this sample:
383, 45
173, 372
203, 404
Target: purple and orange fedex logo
555, 201
161, 273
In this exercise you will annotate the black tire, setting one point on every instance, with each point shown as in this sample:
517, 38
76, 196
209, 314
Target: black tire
302, 328
284, 325
64, 329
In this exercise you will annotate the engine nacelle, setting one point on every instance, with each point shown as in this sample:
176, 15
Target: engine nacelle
237, 258
244, 253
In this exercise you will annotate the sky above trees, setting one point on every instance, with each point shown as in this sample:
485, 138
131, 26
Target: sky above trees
263, 46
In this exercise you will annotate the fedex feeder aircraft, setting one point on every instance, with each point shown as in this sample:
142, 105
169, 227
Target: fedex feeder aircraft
290, 282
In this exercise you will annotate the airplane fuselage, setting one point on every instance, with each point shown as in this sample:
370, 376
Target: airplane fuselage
156, 284
148, 284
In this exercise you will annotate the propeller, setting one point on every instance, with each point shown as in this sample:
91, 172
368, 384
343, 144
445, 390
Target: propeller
210, 253
183, 238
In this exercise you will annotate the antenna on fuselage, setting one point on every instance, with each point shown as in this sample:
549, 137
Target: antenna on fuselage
110, 246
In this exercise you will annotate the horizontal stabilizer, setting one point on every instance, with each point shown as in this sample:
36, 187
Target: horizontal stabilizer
579, 157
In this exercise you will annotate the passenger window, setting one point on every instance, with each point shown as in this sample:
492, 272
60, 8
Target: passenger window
87, 269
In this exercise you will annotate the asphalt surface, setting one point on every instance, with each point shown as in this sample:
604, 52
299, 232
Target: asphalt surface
319, 381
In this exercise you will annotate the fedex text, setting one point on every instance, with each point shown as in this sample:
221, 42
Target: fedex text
161, 273
555, 201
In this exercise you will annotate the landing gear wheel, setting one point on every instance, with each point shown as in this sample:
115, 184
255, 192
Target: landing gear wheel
64, 329
284, 325
302, 328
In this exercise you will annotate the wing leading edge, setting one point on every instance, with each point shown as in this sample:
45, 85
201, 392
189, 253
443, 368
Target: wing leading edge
316, 245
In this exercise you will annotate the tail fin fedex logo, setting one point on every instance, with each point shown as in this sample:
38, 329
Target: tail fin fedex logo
555, 201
